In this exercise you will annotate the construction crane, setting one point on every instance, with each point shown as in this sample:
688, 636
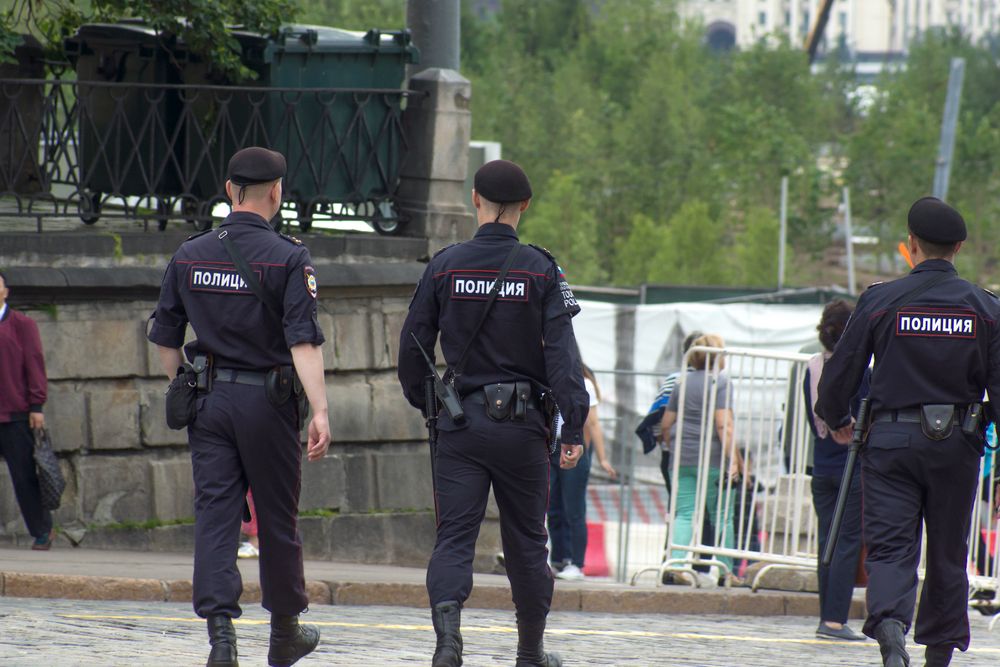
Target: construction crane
812, 43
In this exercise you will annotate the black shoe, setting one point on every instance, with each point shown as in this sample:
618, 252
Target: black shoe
824, 631
891, 637
937, 656
222, 637
290, 641
447, 619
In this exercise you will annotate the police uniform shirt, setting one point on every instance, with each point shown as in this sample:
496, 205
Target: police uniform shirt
942, 347
203, 287
527, 336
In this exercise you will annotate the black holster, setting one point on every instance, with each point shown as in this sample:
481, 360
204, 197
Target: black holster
181, 407
279, 385
937, 420
507, 400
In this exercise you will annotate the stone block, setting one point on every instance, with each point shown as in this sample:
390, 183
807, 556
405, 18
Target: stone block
395, 419
315, 537
251, 593
381, 356
114, 417
172, 489
153, 428
179, 590
114, 489
490, 597
66, 416
757, 604
395, 595
350, 400
359, 538
324, 484
802, 604
177, 539
403, 481
318, 592
74, 587
352, 337
410, 537
566, 599
93, 348
325, 320
10, 513
361, 490
393, 327
781, 578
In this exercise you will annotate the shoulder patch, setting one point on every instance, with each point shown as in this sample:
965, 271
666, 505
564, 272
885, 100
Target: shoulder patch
544, 251
290, 238
194, 236
450, 245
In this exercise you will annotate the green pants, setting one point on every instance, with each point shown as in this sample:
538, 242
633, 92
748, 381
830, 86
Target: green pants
687, 482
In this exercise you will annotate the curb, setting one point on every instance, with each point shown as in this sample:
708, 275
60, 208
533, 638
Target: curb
739, 602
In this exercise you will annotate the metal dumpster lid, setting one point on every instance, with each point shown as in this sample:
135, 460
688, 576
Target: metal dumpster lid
299, 38
127, 30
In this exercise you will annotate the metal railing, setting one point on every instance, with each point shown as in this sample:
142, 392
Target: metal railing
158, 153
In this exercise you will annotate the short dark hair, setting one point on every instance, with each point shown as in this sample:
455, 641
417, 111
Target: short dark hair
935, 250
690, 339
833, 321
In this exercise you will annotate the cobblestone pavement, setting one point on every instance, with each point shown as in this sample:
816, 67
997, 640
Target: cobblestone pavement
58, 633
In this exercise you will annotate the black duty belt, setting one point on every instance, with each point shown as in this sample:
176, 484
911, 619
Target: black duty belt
238, 376
479, 398
910, 415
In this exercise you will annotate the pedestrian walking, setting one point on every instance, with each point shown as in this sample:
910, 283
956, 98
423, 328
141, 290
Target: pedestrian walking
250, 293
836, 580
936, 343
525, 346
23, 390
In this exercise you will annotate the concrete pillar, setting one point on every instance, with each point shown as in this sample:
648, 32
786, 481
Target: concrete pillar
437, 124
435, 28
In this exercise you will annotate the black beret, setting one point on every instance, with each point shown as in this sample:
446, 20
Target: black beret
256, 165
934, 221
503, 182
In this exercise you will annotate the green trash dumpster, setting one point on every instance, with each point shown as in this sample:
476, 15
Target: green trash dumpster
329, 101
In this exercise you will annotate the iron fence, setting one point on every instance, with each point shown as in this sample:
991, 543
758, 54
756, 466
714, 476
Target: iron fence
158, 153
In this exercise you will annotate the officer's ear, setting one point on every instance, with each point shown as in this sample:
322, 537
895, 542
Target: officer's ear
229, 190
523, 206
477, 201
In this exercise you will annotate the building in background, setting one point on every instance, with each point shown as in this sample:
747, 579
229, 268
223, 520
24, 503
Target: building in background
870, 30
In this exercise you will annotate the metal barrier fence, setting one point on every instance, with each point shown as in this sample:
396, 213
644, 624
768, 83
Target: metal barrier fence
159, 152
768, 518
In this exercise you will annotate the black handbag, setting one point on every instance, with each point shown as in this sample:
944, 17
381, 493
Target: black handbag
50, 477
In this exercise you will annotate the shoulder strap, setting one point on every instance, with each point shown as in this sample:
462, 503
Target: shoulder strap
459, 366
248, 276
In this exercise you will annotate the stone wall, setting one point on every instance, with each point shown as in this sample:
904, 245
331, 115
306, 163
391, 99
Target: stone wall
369, 500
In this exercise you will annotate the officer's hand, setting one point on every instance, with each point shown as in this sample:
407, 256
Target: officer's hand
608, 468
319, 436
844, 434
570, 456
36, 420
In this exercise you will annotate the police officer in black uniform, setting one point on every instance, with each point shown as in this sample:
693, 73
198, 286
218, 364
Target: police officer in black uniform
936, 343
527, 338
246, 433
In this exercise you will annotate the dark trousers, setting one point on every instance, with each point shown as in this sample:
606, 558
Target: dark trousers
568, 509
240, 439
17, 446
908, 478
836, 582
511, 456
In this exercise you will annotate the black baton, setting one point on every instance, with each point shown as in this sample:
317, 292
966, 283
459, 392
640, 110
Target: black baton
430, 414
857, 441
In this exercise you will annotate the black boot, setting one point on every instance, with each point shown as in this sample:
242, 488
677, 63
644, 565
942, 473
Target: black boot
290, 641
447, 619
937, 656
530, 649
222, 637
891, 637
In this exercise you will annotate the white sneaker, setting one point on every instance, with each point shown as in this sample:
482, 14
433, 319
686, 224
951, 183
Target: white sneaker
572, 573
247, 550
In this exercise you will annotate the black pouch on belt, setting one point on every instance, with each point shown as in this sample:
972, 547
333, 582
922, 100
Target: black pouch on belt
937, 421
279, 384
522, 394
180, 401
499, 400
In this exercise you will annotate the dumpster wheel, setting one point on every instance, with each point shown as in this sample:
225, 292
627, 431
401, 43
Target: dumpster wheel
384, 225
89, 206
